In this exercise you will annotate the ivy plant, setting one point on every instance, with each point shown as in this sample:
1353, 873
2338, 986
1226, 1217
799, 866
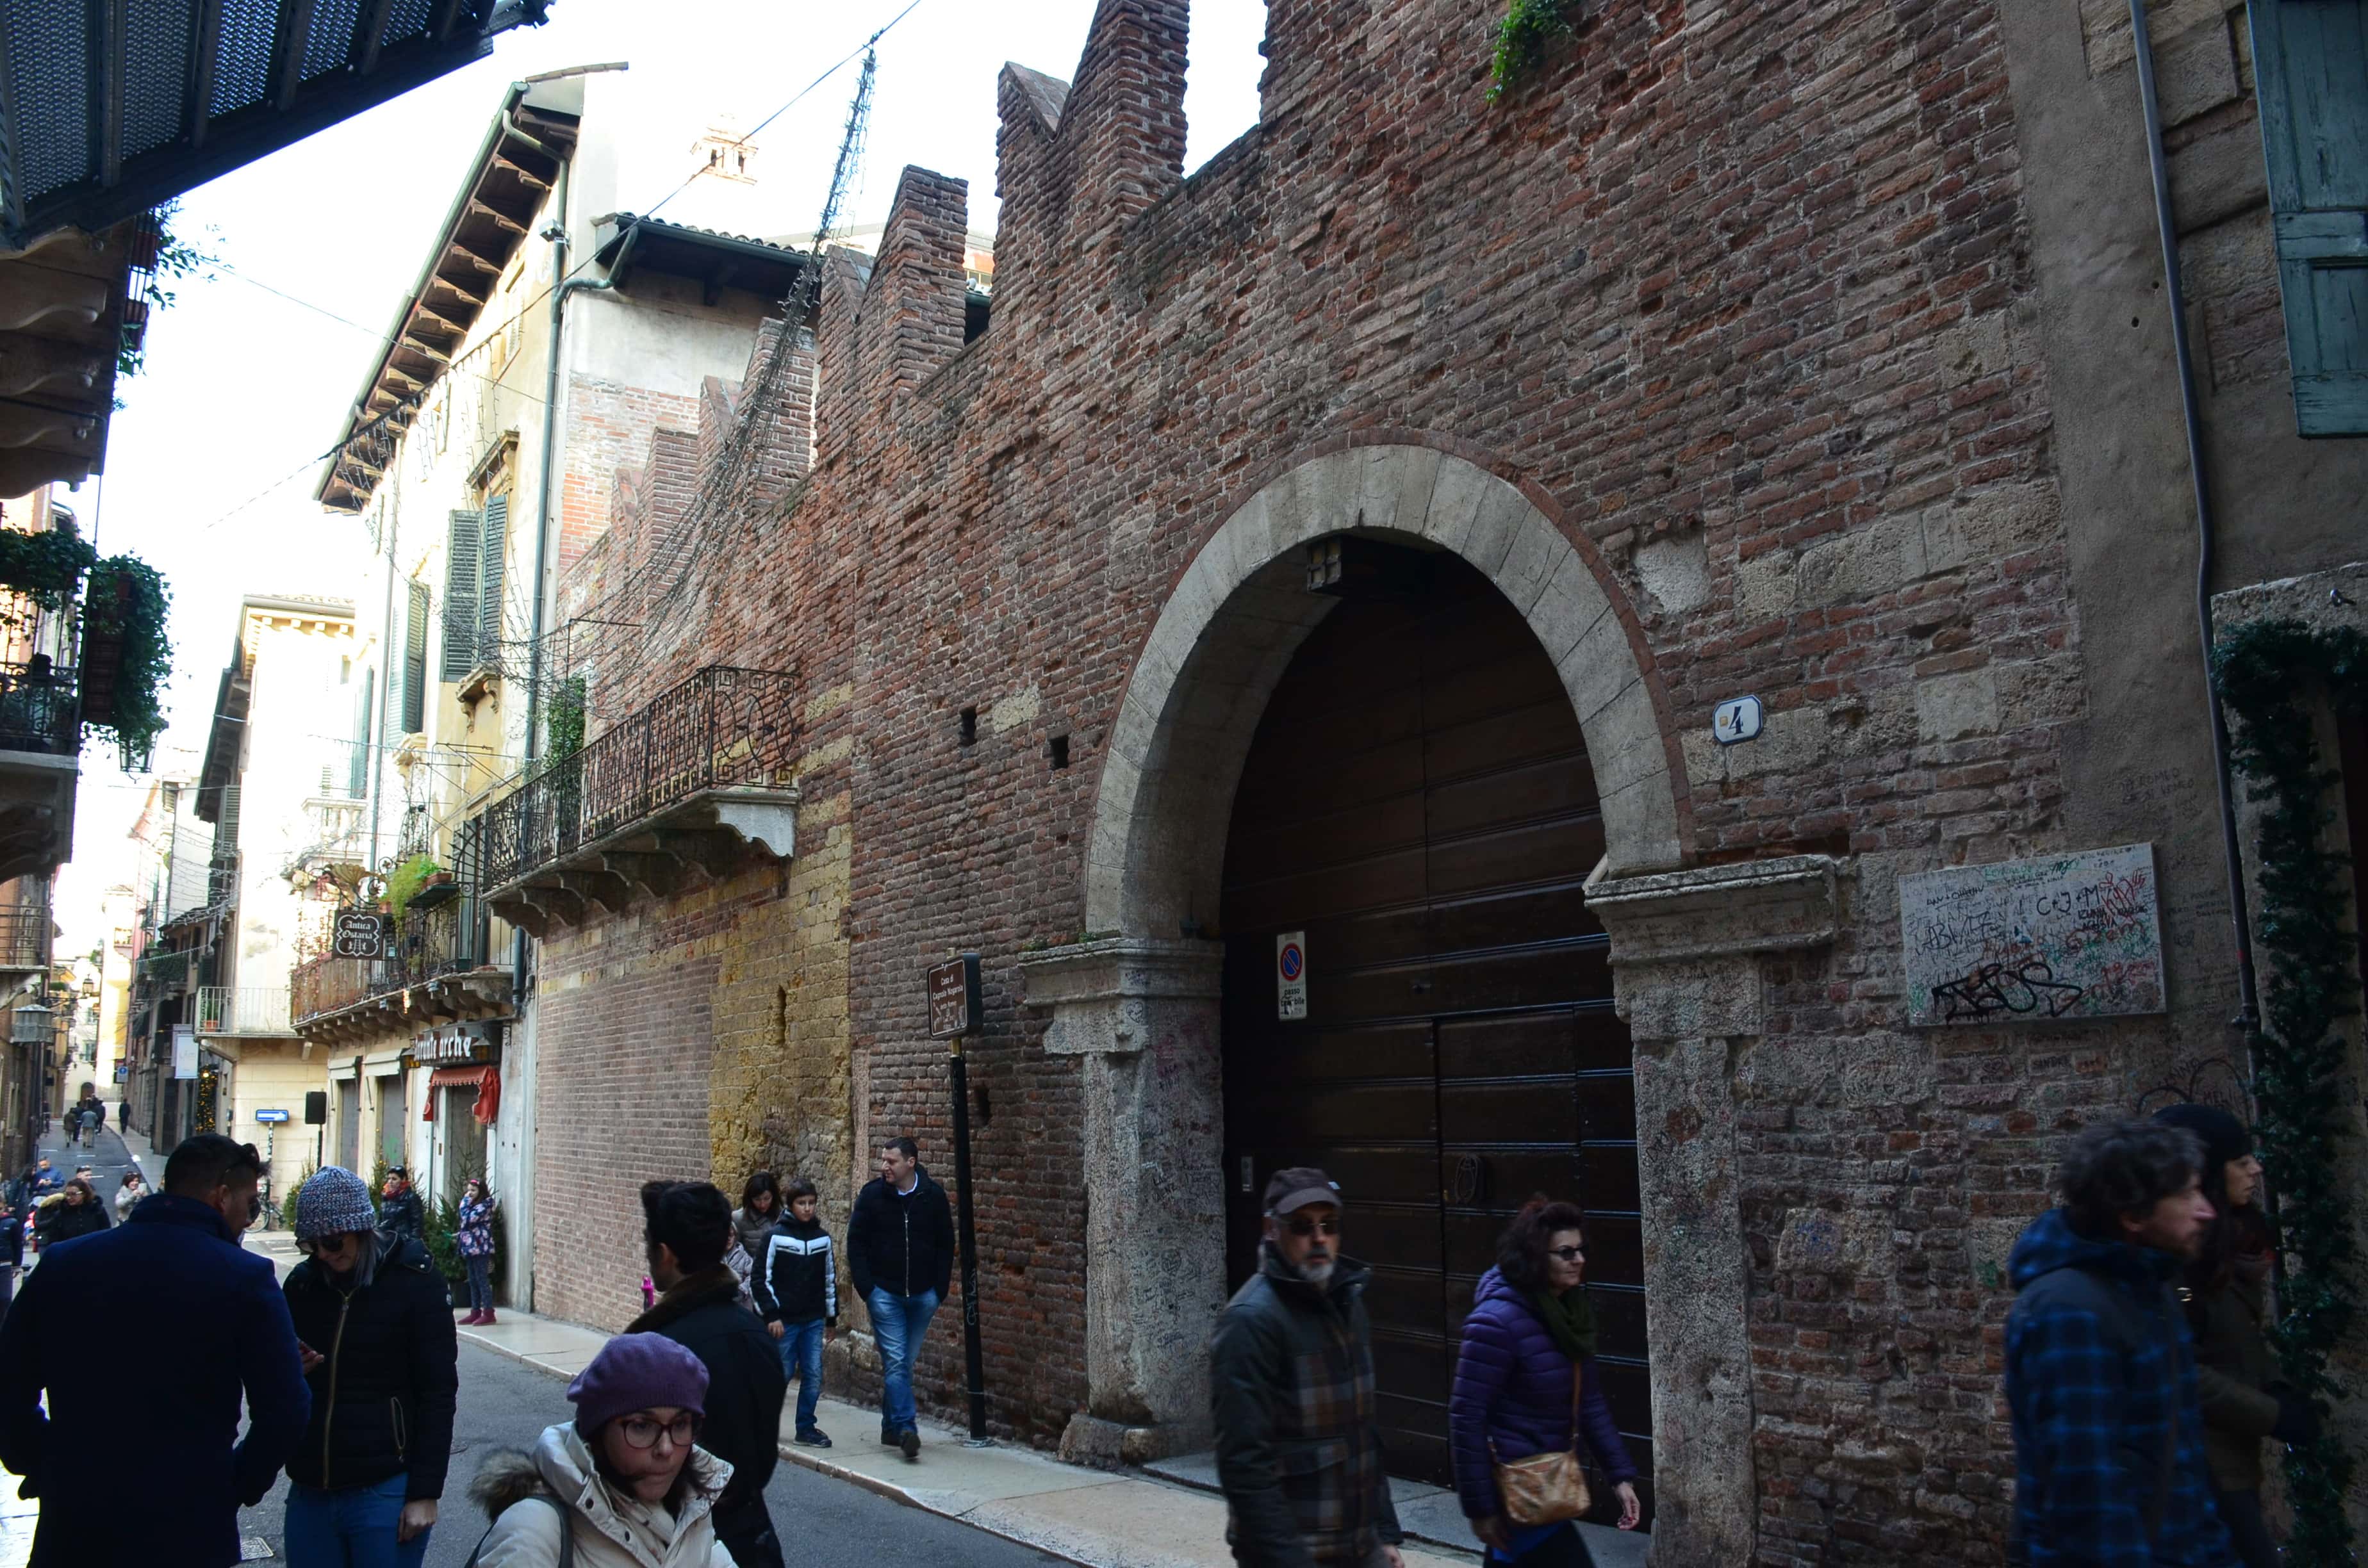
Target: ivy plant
127, 603
46, 567
564, 728
2264, 672
1529, 27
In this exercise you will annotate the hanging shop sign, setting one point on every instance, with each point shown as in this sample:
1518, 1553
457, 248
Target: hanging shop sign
2057, 939
1291, 975
450, 1045
358, 934
954, 998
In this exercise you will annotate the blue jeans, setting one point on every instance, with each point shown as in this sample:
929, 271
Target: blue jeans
481, 1282
897, 1324
802, 1359
352, 1527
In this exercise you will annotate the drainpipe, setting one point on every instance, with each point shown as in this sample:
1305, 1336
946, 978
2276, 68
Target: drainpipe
2249, 1015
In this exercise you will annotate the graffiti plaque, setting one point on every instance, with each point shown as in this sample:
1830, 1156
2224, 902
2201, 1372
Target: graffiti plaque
2061, 939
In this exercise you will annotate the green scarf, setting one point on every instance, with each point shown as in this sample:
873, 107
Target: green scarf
1570, 1318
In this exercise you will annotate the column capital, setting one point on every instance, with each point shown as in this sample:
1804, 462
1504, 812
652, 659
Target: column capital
1105, 995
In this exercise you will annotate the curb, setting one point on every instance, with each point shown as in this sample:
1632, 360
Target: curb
811, 1460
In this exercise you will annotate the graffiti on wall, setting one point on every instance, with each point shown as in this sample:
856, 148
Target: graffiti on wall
2057, 939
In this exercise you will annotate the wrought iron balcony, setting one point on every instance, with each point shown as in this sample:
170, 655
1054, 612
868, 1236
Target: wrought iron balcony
436, 970
242, 1010
40, 709
25, 936
166, 974
685, 787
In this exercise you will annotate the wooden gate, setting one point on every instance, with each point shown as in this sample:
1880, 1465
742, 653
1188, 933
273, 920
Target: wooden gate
1417, 801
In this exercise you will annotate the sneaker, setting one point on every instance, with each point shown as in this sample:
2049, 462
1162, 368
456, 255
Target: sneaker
888, 1436
813, 1438
910, 1441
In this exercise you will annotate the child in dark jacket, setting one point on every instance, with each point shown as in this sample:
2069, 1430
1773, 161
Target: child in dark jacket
797, 1291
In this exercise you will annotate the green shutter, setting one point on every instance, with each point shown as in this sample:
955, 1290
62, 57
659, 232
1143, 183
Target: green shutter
495, 540
2311, 63
414, 662
461, 552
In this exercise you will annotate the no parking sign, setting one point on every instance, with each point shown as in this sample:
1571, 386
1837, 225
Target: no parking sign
1291, 975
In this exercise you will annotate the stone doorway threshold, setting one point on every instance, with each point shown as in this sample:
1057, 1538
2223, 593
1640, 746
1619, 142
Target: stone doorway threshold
1428, 1513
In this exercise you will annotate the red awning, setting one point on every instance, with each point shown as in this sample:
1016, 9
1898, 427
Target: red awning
486, 1078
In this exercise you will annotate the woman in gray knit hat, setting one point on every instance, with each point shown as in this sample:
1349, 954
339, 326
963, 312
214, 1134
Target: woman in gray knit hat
374, 1327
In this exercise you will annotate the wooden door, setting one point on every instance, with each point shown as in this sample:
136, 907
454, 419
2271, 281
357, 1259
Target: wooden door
1418, 801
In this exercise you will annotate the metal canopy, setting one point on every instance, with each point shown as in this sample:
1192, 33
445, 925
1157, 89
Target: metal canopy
109, 108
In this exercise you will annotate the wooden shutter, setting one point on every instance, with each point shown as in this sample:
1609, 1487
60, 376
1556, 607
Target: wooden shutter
461, 548
414, 661
357, 770
495, 540
2311, 64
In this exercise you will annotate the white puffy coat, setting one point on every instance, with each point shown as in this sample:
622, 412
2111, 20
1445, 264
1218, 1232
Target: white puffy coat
612, 1531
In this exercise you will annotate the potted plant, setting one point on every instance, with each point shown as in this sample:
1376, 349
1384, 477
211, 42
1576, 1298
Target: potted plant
443, 1224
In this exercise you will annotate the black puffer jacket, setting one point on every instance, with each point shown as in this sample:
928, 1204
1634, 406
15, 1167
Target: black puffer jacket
745, 1381
404, 1215
382, 1399
901, 1242
63, 1222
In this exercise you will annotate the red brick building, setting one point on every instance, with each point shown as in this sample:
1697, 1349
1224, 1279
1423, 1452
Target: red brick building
1353, 544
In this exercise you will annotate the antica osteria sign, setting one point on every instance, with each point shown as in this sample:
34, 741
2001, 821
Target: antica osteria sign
2056, 939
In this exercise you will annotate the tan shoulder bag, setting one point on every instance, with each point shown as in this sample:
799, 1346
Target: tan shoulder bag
1545, 1489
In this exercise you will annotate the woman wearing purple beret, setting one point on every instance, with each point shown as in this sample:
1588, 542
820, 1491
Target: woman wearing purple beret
624, 1483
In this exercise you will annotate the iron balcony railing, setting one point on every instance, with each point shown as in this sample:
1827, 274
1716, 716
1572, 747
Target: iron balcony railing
166, 973
23, 935
424, 945
723, 728
41, 708
243, 1010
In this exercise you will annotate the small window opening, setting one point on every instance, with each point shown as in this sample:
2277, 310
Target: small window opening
970, 726
1056, 750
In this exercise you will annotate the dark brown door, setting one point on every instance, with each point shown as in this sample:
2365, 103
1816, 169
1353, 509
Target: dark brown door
1418, 801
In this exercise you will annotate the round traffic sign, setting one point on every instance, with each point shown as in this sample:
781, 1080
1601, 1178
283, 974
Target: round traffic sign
1290, 961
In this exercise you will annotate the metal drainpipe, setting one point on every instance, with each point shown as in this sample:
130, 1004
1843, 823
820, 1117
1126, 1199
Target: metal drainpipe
562, 287
2249, 1015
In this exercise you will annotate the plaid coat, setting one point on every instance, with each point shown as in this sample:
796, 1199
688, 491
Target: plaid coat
2101, 1382
1299, 1450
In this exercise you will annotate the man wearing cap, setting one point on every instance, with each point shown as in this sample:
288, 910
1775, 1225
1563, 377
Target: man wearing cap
1299, 1448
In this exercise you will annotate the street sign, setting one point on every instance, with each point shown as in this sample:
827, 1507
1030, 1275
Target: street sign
1736, 720
1291, 975
954, 998
358, 934
271, 1116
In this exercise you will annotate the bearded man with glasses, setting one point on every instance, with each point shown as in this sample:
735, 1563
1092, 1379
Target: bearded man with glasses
1299, 1445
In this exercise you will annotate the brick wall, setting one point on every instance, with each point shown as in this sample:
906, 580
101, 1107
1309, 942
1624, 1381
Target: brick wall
1746, 291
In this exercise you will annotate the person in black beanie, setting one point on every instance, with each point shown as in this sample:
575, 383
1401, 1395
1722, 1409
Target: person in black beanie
2226, 1290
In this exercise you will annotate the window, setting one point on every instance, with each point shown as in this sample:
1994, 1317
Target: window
2311, 64
406, 670
473, 553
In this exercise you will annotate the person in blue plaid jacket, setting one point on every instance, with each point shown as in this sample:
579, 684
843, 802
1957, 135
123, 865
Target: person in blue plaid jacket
2110, 1469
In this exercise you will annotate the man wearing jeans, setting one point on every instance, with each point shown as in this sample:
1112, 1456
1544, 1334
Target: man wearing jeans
900, 1251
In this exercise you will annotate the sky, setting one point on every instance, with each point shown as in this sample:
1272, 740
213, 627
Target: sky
211, 462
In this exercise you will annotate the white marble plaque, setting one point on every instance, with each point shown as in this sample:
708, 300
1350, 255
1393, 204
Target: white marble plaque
2057, 939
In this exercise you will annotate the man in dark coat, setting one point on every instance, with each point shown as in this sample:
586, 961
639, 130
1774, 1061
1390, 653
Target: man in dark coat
687, 1231
2110, 1470
900, 1253
178, 1251
399, 1213
1299, 1449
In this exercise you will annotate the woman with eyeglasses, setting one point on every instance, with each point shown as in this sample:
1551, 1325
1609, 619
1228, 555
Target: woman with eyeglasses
374, 1330
624, 1483
1527, 1367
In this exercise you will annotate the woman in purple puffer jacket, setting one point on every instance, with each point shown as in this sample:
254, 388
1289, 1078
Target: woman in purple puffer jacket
1531, 1329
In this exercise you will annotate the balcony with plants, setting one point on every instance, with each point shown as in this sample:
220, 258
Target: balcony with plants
436, 967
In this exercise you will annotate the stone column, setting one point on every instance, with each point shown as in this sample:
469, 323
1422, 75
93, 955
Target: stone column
1685, 954
1141, 1016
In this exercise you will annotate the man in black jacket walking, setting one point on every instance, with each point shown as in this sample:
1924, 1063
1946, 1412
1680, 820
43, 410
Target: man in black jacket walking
900, 1253
687, 1231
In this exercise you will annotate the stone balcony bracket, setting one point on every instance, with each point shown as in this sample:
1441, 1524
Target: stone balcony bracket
459, 996
704, 837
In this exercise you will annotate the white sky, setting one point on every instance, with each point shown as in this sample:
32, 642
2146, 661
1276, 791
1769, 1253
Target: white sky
211, 462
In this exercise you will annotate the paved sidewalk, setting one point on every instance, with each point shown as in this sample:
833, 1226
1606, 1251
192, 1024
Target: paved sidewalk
1100, 1518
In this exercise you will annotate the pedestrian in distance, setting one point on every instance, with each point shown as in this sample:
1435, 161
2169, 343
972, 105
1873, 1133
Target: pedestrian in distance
1525, 1373
2110, 1465
474, 1240
760, 1212
181, 1391
374, 1323
78, 1210
900, 1254
625, 1484
797, 1289
687, 1231
1299, 1450
123, 1114
127, 1194
401, 1214
12, 1252
2244, 1397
